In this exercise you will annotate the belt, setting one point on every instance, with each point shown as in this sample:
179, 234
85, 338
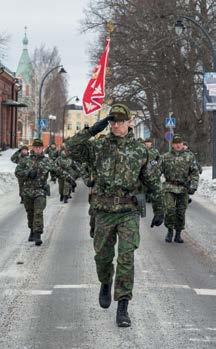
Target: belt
114, 200
176, 183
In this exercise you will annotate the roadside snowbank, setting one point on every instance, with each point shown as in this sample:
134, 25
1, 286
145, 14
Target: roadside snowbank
207, 185
8, 181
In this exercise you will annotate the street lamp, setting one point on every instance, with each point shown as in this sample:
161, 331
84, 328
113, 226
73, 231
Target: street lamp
61, 71
65, 108
51, 117
179, 27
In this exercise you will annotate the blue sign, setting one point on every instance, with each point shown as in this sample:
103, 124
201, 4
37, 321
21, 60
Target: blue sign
168, 136
170, 122
42, 124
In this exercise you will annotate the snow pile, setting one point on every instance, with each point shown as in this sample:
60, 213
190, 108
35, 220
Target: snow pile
8, 180
207, 185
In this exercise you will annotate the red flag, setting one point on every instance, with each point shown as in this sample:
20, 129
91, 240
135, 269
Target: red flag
94, 94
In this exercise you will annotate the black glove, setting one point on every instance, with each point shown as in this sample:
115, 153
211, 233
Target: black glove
100, 125
157, 220
90, 183
72, 182
191, 191
32, 173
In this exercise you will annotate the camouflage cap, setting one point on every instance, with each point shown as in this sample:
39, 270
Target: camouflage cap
24, 147
120, 112
37, 143
177, 139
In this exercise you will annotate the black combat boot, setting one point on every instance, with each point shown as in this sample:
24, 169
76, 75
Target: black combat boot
169, 236
65, 199
178, 237
105, 295
31, 236
37, 239
122, 317
61, 197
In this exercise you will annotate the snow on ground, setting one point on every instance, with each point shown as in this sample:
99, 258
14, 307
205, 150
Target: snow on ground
207, 185
8, 180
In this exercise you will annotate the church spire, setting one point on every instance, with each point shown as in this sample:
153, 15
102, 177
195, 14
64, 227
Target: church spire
25, 39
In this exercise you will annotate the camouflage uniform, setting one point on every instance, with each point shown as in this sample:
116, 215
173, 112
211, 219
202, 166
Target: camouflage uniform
53, 154
119, 164
18, 157
154, 159
63, 168
34, 190
181, 174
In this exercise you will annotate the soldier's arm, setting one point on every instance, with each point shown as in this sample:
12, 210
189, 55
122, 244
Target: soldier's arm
194, 174
80, 146
150, 178
22, 170
15, 157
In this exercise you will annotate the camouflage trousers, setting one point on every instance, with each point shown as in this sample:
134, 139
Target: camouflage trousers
34, 207
175, 207
20, 182
109, 226
64, 187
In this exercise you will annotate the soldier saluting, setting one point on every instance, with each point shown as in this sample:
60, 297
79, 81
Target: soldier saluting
119, 163
181, 173
34, 172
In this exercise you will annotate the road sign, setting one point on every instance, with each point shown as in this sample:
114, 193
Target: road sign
170, 122
168, 136
43, 124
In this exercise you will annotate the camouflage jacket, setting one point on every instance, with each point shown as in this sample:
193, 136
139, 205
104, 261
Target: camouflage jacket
52, 153
180, 171
34, 187
17, 157
63, 167
119, 164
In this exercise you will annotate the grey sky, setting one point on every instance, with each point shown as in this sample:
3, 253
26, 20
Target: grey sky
54, 23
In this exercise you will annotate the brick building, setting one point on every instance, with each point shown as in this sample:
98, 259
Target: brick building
9, 88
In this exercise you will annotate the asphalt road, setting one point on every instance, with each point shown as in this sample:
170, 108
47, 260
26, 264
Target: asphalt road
49, 294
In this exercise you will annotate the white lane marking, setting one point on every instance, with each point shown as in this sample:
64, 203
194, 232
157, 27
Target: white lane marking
39, 292
192, 329
210, 329
206, 340
173, 286
205, 291
74, 286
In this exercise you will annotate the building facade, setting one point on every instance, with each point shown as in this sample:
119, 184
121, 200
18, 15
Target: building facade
9, 88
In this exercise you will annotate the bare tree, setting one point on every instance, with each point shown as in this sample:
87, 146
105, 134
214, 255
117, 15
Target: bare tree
54, 93
4, 38
153, 67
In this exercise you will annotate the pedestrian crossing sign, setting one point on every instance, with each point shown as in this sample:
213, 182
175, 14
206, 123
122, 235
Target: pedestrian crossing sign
170, 122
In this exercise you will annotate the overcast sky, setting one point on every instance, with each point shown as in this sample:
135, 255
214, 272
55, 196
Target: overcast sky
54, 23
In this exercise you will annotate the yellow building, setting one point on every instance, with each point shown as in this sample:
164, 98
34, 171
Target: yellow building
75, 120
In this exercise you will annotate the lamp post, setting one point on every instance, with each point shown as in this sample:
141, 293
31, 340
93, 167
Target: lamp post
62, 70
179, 27
51, 117
65, 108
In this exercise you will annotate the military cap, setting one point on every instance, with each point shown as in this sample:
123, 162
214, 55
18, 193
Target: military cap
177, 139
120, 112
24, 147
37, 143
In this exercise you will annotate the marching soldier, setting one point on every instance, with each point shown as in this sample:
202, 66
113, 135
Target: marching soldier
181, 173
19, 156
119, 163
52, 152
65, 179
34, 171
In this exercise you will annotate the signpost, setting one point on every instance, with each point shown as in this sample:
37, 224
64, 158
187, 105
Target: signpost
170, 122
